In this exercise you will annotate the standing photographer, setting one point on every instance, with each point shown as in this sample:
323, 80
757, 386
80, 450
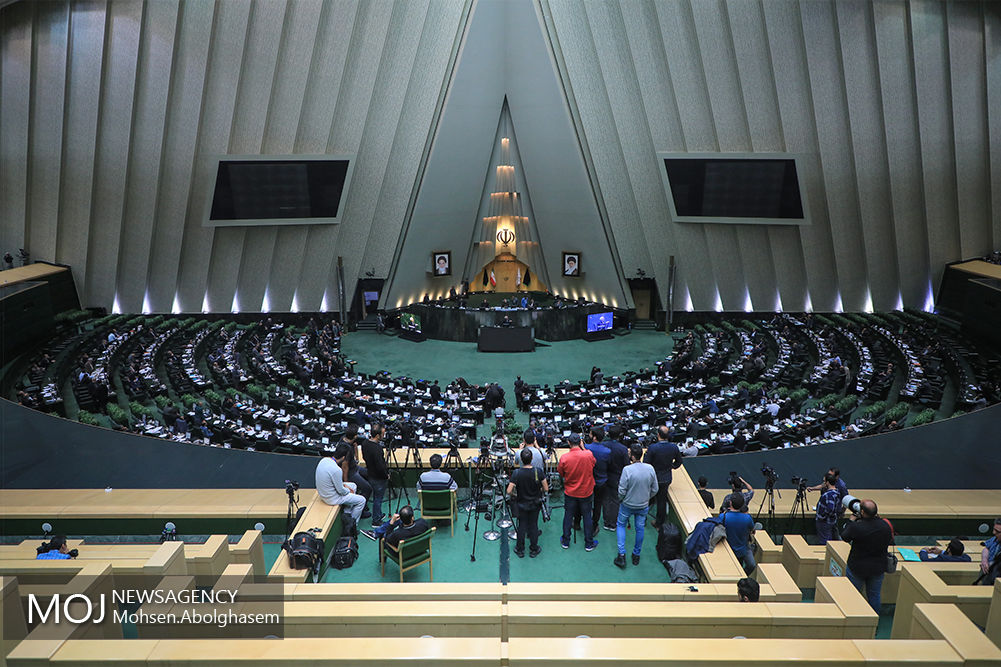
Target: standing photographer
839, 484
378, 471
740, 487
828, 510
870, 535
526, 488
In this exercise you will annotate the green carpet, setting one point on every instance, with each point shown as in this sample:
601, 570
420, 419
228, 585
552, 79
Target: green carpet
452, 562
444, 360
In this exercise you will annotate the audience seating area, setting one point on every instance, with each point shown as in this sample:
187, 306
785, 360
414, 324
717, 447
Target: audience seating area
274, 383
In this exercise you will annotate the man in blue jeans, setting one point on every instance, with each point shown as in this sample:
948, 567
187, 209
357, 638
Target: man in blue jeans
637, 485
870, 535
378, 471
739, 528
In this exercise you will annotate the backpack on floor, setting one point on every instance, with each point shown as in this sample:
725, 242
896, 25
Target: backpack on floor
345, 553
669, 542
349, 527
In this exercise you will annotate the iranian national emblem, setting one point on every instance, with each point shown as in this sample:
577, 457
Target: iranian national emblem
505, 236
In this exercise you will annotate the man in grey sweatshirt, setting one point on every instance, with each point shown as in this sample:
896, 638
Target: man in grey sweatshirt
332, 488
637, 486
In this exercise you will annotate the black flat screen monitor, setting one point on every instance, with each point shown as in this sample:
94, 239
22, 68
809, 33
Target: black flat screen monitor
410, 322
278, 189
599, 322
742, 188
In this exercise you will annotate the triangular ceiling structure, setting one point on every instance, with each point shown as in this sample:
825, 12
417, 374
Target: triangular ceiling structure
504, 235
505, 62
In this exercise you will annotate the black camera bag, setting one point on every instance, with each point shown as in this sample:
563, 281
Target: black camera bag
305, 551
345, 553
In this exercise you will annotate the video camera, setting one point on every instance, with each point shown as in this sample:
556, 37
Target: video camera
799, 482
770, 475
291, 486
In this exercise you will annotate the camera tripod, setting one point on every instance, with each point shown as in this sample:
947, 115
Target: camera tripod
475, 504
800, 504
393, 463
453, 461
414, 452
293, 511
770, 499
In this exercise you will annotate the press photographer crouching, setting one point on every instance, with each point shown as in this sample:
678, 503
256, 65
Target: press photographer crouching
56, 549
870, 535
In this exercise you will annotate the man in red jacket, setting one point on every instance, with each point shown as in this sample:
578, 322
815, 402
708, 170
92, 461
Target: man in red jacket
576, 467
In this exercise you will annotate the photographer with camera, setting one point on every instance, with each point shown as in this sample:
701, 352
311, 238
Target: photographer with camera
740, 488
56, 549
526, 489
739, 529
829, 509
378, 470
839, 484
870, 535
352, 471
330, 484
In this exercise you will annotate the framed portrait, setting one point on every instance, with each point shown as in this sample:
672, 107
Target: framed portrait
571, 264
441, 262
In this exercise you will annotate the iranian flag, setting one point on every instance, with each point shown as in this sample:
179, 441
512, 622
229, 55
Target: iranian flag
493, 278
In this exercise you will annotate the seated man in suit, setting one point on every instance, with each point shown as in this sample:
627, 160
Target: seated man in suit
436, 479
401, 527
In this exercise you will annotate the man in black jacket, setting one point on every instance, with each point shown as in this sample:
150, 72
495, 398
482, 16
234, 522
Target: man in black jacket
401, 527
378, 471
664, 456
870, 535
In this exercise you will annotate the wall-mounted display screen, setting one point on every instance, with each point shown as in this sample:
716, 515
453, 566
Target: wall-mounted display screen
734, 189
277, 191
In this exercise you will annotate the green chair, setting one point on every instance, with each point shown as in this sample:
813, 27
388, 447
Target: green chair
408, 554
439, 505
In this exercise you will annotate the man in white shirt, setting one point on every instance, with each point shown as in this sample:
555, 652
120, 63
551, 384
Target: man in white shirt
689, 449
332, 488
